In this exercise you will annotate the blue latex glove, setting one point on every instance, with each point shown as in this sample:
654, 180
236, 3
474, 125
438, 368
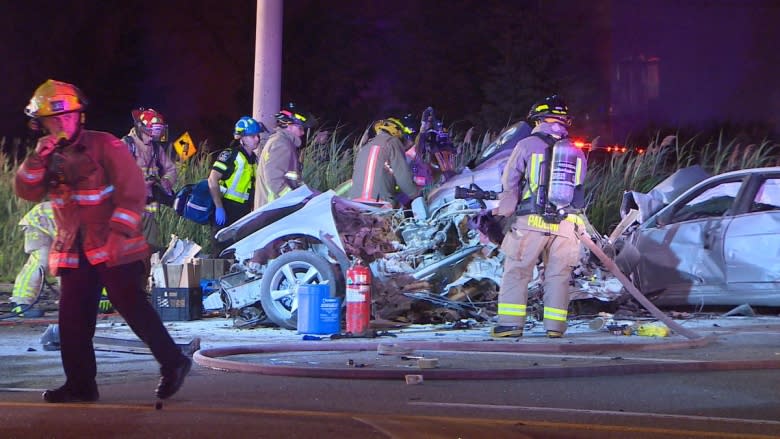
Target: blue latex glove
219, 216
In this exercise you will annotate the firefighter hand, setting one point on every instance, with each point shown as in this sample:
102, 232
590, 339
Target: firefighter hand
219, 216
46, 145
105, 306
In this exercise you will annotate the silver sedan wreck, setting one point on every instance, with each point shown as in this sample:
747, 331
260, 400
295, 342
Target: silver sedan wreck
706, 241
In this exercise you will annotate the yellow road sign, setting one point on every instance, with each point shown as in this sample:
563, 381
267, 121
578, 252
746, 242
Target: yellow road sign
184, 146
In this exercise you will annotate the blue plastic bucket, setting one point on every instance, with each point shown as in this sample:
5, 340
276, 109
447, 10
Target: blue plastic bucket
318, 313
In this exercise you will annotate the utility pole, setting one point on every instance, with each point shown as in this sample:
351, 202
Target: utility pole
268, 61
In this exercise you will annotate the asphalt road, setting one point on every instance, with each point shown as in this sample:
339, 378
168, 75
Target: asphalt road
214, 403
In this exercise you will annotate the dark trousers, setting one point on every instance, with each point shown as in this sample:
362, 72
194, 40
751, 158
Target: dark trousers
233, 211
79, 299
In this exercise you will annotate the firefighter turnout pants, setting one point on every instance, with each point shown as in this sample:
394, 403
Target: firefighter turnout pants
29, 280
522, 249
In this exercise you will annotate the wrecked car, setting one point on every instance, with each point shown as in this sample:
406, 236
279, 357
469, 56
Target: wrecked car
706, 241
309, 237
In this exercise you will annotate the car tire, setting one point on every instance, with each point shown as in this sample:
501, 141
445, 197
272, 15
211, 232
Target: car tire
279, 300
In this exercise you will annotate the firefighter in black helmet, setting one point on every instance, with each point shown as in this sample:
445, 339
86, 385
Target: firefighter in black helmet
542, 183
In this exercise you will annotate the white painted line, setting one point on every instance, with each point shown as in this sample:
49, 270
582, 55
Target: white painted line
596, 412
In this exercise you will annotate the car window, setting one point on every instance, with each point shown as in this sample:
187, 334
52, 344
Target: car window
767, 197
713, 202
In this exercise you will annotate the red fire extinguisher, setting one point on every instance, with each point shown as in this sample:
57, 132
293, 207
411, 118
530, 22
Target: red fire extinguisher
358, 298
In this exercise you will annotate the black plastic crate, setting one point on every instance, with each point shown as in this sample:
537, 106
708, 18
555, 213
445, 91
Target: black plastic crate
178, 304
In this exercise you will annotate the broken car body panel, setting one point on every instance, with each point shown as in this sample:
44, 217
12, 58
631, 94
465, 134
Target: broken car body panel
715, 244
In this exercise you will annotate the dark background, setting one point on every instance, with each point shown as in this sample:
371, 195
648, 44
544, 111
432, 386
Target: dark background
348, 62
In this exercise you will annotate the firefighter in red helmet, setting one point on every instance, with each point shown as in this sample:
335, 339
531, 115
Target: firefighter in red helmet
97, 201
145, 144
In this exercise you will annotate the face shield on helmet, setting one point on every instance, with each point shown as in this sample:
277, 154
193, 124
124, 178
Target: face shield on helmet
54, 97
550, 107
247, 126
150, 122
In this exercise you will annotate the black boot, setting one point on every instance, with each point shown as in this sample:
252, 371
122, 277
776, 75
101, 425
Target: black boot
172, 379
70, 393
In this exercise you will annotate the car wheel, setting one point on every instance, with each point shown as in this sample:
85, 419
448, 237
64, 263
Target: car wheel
278, 289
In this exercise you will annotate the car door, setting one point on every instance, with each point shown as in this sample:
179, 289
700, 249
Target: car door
681, 247
752, 246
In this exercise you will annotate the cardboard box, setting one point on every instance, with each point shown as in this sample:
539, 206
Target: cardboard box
172, 274
190, 275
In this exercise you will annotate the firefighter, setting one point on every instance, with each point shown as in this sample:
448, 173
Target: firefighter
145, 144
279, 169
232, 176
97, 201
545, 224
39, 230
380, 166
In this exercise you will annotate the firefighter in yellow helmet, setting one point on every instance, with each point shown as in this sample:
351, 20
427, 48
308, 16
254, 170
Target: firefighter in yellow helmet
381, 173
97, 201
542, 184
279, 167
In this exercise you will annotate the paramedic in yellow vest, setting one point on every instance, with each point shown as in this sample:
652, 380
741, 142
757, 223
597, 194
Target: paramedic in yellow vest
279, 168
39, 231
539, 229
232, 176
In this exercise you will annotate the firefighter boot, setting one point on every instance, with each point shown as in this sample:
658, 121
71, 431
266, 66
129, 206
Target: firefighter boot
554, 334
506, 331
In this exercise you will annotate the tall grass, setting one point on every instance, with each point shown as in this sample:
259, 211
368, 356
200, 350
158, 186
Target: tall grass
607, 180
328, 157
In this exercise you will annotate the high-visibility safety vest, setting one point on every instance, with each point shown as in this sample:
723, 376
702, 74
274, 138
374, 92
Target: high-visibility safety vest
238, 186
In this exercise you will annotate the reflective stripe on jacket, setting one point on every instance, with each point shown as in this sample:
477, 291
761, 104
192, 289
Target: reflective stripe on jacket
97, 200
380, 165
238, 185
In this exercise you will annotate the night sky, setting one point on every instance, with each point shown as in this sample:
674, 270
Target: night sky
348, 62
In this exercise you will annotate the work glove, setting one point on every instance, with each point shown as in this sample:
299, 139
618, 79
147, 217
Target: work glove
220, 216
105, 306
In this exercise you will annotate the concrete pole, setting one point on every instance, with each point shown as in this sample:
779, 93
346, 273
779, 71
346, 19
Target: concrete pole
268, 61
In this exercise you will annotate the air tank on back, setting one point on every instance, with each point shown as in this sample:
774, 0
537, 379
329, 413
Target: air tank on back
563, 173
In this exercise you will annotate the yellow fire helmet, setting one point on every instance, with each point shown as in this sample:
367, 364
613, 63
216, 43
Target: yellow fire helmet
392, 126
55, 97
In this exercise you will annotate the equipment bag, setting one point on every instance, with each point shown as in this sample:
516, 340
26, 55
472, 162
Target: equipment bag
193, 202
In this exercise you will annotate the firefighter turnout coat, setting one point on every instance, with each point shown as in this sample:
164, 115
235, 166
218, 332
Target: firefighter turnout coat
155, 164
279, 170
97, 200
380, 165
531, 236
